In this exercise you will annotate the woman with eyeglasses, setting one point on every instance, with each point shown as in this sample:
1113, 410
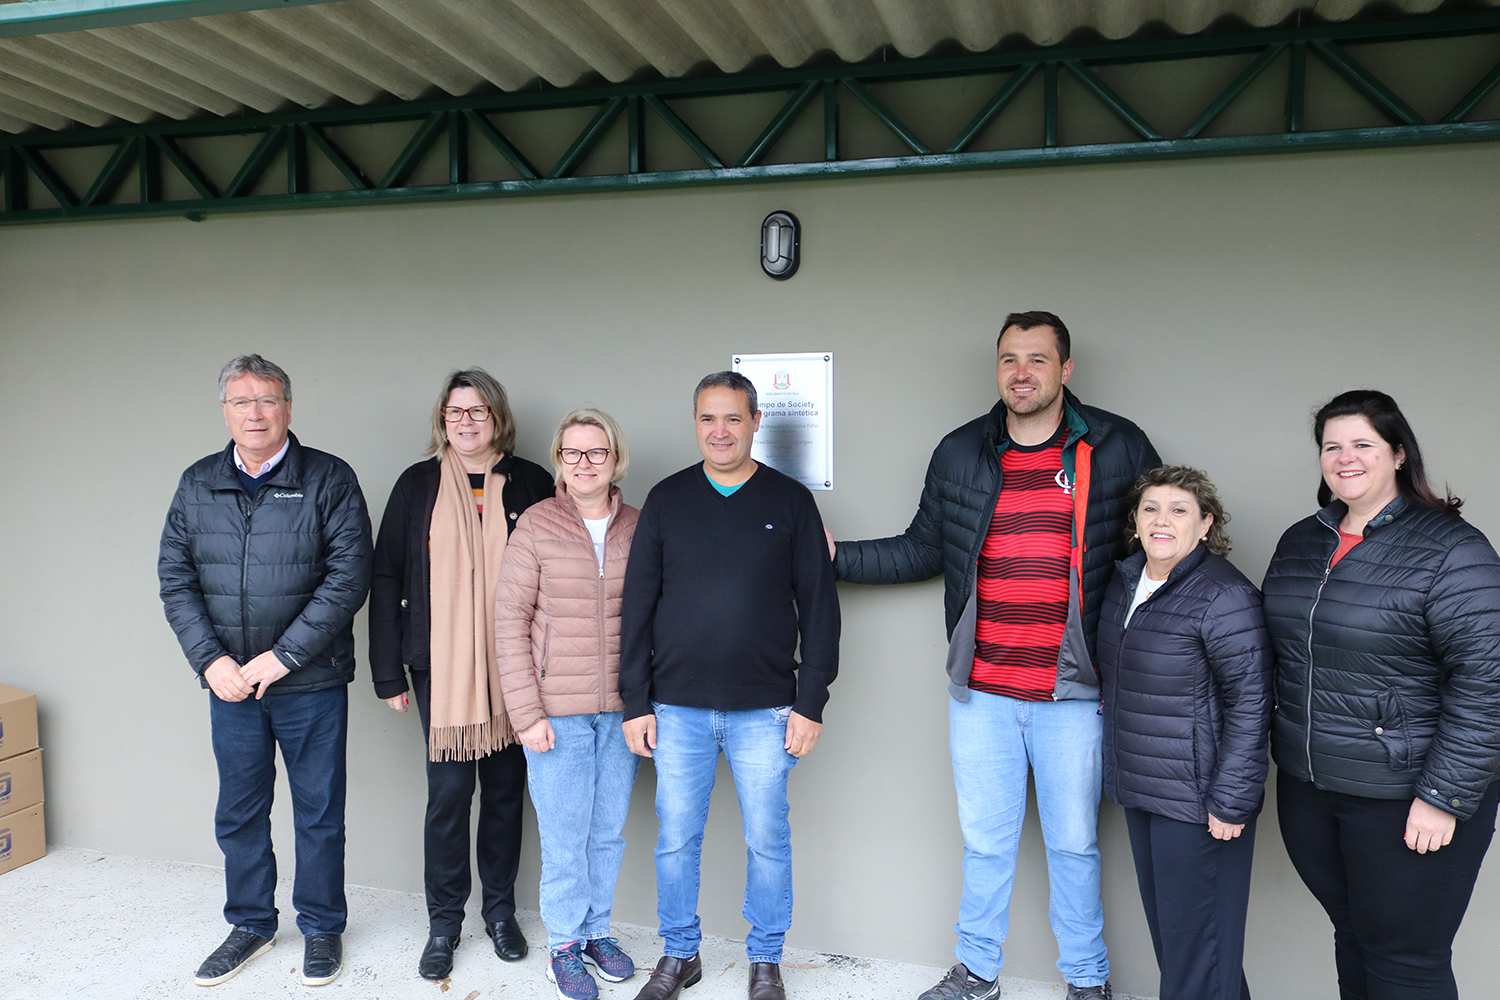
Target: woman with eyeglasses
438, 557
557, 628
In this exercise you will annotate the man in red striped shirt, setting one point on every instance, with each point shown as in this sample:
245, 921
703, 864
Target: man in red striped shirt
1023, 512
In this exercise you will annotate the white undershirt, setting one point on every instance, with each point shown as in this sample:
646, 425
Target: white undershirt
597, 526
1144, 588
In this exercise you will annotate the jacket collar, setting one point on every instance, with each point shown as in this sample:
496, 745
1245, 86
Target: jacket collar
1079, 429
288, 471
1333, 514
1135, 564
566, 499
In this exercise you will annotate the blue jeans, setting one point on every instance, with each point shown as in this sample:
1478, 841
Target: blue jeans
312, 730
994, 740
688, 744
581, 790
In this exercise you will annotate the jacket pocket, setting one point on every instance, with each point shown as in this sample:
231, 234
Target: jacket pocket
546, 647
1390, 729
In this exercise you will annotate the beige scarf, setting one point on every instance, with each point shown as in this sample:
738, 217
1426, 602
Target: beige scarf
468, 712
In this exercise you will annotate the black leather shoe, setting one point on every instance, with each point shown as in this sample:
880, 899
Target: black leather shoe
437, 958
230, 957
322, 959
672, 976
510, 943
765, 981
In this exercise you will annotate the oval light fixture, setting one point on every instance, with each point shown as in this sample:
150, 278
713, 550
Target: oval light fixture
780, 245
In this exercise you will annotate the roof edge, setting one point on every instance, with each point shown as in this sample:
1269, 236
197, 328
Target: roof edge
38, 17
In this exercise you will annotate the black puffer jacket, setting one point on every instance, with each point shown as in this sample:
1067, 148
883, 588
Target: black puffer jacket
1187, 692
1388, 664
285, 570
400, 626
958, 500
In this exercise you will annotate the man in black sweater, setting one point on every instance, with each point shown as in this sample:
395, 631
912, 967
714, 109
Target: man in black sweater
728, 569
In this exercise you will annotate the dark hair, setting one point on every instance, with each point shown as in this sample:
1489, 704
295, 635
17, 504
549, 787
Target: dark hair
1192, 481
1385, 416
728, 380
1032, 320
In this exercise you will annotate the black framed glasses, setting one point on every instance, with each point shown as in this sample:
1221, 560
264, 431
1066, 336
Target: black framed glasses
571, 456
478, 414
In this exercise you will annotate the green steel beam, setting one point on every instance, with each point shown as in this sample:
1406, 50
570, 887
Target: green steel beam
1234, 90
1366, 82
156, 146
997, 104
40, 17
684, 133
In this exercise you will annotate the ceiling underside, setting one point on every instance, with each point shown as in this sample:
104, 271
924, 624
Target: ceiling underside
359, 52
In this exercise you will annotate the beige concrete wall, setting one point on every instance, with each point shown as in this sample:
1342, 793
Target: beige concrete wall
1215, 302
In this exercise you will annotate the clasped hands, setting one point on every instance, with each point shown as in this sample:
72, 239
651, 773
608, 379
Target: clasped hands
231, 682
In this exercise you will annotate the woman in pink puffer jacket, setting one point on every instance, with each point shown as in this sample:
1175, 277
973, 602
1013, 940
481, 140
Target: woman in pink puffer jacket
557, 631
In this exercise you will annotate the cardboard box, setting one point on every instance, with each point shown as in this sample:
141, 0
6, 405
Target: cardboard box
22, 838
20, 781
17, 721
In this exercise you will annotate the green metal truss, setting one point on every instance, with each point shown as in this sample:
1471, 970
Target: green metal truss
151, 149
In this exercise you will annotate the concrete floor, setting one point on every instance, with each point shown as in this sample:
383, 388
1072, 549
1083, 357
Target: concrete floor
83, 925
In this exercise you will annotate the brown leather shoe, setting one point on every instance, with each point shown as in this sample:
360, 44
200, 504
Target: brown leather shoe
765, 981
672, 976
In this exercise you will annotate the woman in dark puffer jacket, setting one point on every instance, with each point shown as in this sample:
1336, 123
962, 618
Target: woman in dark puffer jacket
1186, 665
1384, 608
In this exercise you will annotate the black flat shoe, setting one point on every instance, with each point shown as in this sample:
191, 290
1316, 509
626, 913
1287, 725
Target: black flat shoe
322, 959
230, 957
510, 943
437, 958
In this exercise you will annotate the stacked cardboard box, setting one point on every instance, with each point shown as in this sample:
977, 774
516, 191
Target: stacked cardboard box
22, 837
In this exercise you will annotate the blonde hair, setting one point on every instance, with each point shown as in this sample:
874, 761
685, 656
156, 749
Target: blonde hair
589, 417
503, 438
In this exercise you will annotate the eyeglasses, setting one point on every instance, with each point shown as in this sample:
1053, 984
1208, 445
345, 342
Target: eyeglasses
259, 402
478, 414
571, 456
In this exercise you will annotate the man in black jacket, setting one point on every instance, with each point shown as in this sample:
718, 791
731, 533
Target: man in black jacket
265, 558
1025, 568
727, 572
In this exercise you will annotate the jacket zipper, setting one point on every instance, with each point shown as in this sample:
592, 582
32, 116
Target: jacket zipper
1307, 743
603, 652
248, 513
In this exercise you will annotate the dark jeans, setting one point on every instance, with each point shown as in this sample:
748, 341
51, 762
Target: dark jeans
1394, 911
450, 791
312, 730
1196, 891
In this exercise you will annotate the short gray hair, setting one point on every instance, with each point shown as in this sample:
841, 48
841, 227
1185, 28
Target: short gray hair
254, 364
728, 380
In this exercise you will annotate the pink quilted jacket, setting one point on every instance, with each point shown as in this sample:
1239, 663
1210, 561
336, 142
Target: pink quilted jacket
557, 615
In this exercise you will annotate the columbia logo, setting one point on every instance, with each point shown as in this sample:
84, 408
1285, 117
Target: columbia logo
287, 496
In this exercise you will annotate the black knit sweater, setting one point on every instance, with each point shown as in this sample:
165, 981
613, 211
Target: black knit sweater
717, 592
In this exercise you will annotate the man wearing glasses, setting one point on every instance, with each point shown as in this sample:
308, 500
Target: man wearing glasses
265, 558
727, 570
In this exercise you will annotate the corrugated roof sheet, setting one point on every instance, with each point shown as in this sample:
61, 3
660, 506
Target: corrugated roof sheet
364, 51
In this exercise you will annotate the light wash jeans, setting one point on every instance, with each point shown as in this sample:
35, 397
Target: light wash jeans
993, 740
581, 791
688, 744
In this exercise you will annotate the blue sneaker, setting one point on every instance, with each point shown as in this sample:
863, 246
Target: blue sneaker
567, 971
612, 964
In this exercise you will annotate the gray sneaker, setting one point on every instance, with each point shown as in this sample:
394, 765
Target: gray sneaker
961, 984
1100, 992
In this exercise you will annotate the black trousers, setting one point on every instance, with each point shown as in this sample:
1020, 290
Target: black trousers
1394, 911
450, 791
1196, 891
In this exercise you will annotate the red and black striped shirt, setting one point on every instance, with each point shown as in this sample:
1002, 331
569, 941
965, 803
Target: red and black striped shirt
1023, 575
